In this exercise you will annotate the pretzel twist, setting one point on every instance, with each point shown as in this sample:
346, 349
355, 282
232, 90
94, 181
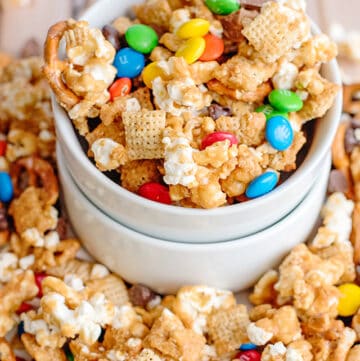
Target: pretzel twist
54, 67
40, 173
351, 105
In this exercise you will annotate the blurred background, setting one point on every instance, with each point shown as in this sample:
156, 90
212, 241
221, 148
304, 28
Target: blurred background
21, 20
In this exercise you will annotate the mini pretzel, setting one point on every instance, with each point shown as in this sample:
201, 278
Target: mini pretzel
54, 67
355, 235
341, 160
350, 105
39, 172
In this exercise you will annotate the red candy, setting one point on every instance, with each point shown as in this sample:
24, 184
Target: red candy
2, 147
155, 192
214, 48
250, 355
218, 137
39, 277
242, 198
120, 88
24, 307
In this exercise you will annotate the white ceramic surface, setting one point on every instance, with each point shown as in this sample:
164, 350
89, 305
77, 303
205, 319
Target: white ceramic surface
165, 266
181, 224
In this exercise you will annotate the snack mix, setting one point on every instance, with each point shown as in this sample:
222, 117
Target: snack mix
194, 103
57, 304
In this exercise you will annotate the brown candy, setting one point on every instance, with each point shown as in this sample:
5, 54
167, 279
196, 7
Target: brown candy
4, 227
252, 4
216, 111
31, 48
112, 36
338, 182
350, 140
140, 295
160, 31
61, 228
3, 218
355, 123
232, 26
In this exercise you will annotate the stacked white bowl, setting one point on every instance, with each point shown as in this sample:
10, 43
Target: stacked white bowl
165, 246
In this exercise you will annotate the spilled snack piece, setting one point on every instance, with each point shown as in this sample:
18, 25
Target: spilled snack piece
54, 305
209, 66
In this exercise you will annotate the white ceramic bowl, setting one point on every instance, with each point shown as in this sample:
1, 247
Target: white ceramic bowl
165, 266
182, 224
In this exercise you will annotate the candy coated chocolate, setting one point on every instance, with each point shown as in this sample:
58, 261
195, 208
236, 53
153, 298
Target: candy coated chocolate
349, 301
279, 133
192, 49
285, 100
112, 36
155, 192
262, 184
214, 48
6, 187
247, 347
141, 38
222, 7
129, 63
193, 28
249, 355
218, 137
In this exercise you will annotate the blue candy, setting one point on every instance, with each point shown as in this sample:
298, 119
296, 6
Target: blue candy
247, 347
262, 184
20, 329
129, 63
279, 133
6, 187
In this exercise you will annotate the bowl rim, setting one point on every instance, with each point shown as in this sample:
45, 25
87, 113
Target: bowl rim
186, 246
306, 168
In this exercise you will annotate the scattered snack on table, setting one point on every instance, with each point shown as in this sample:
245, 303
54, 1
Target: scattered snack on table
348, 41
77, 310
54, 305
191, 85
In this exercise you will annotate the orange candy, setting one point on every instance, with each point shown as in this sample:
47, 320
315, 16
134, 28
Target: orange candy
120, 87
214, 48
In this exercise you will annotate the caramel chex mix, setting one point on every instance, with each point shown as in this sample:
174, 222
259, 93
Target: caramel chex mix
56, 306
183, 58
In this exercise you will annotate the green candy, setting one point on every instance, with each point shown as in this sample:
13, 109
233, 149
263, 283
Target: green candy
223, 7
270, 112
142, 38
68, 353
285, 100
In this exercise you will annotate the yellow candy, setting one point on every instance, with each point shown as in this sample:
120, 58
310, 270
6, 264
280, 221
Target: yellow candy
349, 300
193, 28
192, 50
151, 72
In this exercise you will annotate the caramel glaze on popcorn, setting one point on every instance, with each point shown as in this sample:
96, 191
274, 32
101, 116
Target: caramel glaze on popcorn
91, 312
268, 45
